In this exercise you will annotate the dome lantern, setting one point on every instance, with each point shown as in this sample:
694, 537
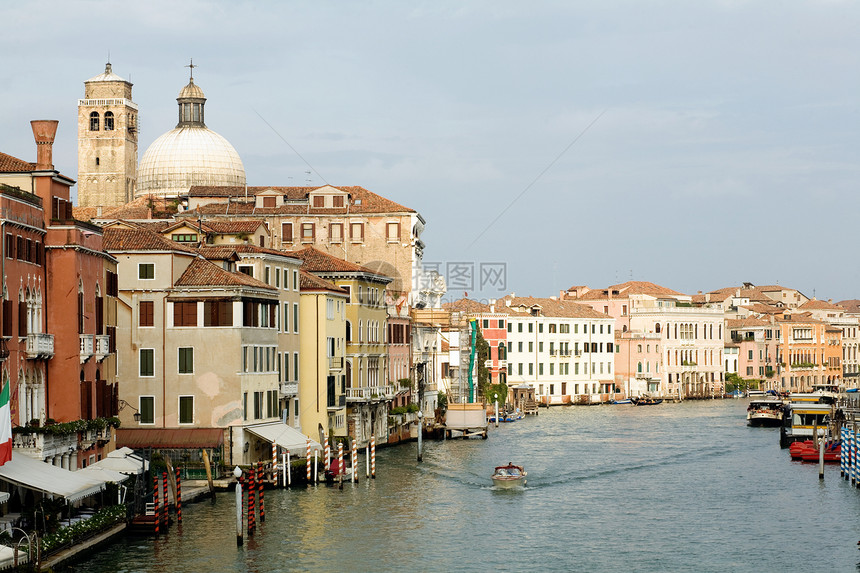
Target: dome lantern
191, 101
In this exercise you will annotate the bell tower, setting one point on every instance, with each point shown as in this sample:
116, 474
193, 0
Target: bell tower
107, 142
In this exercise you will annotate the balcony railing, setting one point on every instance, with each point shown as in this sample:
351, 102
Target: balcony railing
370, 393
335, 362
42, 446
102, 346
289, 388
40, 345
86, 347
503, 363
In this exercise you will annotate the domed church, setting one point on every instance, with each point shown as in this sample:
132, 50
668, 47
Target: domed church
190, 154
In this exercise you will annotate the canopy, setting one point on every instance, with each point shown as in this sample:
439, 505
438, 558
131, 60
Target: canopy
285, 436
170, 438
104, 474
120, 461
33, 474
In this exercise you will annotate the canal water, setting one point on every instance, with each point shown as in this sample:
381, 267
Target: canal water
674, 487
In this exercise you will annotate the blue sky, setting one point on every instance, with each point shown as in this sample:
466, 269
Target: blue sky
722, 144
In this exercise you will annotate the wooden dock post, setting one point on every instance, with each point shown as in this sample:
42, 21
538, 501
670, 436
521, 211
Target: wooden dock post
178, 488
288, 468
260, 491
209, 473
252, 506
155, 503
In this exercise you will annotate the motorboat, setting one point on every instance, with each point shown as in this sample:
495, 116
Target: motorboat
624, 401
808, 452
509, 476
803, 420
768, 411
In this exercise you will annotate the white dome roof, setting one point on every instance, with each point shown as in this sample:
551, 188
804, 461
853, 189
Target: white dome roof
186, 156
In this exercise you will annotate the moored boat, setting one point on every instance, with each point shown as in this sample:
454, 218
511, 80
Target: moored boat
765, 412
646, 401
509, 476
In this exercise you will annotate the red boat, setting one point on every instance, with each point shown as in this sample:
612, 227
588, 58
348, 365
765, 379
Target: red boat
807, 452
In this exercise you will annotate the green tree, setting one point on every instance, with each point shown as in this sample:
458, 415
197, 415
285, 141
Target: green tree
483, 354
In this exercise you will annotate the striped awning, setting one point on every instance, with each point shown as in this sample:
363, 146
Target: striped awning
284, 436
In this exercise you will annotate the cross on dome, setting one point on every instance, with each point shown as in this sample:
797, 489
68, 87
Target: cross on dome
191, 67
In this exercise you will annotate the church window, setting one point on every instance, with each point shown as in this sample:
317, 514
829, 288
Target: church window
108, 121
197, 112
94, 121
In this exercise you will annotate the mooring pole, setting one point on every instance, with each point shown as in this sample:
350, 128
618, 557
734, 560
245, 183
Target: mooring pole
238, 474
420, 433
496, 413
821, 455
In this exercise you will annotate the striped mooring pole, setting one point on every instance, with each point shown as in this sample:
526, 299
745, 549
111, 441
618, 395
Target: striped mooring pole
327, 450
309, 462
354, 461
260, 491
156, 510
166, 501
252, 509
373, 457
275, 462
340, 462
178, 497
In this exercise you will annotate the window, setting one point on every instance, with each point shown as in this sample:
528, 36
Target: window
287, 233
184, 237
218, 313
246, 269
296, 366
185, 313
295, 280
146, 406
335, 232
94, 121
296, 317
186, 409
308, 232
147, 362
146, 313
108, 121
356, 232
319, 201
392, 232
337, 201
186, 360
146, 271
267, 275
258, 405
277, 277
269, 202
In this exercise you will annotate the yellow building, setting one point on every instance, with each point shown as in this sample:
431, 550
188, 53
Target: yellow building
322, 332
368, 392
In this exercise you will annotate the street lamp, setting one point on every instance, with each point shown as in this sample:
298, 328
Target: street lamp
123, 404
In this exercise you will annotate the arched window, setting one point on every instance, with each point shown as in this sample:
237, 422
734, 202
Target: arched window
94, 121
639, 367
108, 121
503, 351
348, 331
657, 328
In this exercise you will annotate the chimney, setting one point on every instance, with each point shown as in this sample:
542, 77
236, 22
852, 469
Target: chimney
44, 131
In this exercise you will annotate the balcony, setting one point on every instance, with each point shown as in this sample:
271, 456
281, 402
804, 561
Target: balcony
335, 362
488, 363
40, 345
41, 446
289, 388
86, 347
369, 393
503, 363
102, 346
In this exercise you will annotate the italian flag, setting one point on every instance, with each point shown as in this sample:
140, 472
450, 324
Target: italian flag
5, 426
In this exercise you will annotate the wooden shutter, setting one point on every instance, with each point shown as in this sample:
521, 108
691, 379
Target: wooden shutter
7, 317
22, 318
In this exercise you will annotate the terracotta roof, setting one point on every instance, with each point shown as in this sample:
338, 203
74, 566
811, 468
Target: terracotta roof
753, 294
139, 240
170, 438
144, 207
309, 282
550, 307
630, 288
759, 308
316, 261
233, 227
470, 306
9, 164
205, 273
851, 305
361, 200
222, 252
748, 322
820, 305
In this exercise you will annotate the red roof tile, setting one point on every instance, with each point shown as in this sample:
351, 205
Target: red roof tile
309, 282
316, 261
139, 240
361, 201
205, 273
9, 164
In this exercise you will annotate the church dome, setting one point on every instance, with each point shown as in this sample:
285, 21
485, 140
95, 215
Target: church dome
186, 156
190, 154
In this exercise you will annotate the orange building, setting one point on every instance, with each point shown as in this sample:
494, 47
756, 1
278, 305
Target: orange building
809, 353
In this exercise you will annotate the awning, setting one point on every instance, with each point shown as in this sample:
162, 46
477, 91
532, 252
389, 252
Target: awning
170, 438
4, 496
33, 474
285, 436
104, 474
123, 461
